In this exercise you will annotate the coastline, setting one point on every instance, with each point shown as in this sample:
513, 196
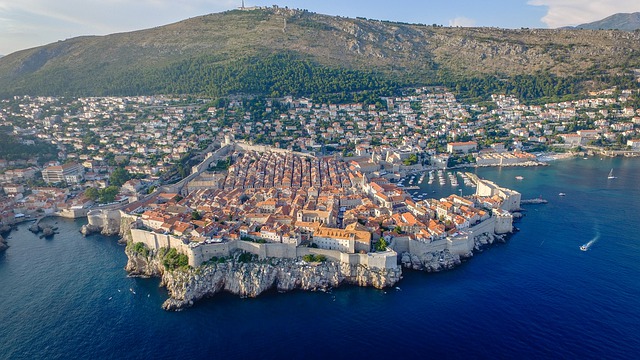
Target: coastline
250, 276
3, 244
249, 279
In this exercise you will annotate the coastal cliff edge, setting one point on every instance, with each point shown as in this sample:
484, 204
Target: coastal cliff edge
251, 278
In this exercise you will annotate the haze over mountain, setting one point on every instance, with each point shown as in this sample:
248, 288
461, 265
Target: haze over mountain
622, 21
258, 51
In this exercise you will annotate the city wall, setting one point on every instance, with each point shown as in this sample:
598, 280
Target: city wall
461, 245
264, 148
204, 252
73, 213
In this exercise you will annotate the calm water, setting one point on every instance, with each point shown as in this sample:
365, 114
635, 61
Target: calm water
538, 296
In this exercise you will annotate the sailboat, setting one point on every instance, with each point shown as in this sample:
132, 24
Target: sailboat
611, 175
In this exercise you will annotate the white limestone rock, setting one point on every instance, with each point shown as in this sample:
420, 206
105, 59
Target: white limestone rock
250, 279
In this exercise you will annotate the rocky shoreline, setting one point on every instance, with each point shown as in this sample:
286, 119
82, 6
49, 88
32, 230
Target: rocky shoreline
445, 260
250, 279
3, 244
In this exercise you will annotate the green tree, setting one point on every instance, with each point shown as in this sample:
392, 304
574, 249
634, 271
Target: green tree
92, 194
381, 245
108, 194
411, 160
119, 176
173, 260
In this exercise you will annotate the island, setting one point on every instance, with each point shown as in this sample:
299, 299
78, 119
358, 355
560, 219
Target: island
277, 219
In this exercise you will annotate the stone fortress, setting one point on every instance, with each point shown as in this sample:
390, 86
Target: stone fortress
283, 208
460, 241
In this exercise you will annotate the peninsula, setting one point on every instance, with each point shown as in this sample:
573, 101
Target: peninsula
286, 220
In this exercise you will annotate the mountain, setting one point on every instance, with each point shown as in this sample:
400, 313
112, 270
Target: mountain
275, 51
621, 21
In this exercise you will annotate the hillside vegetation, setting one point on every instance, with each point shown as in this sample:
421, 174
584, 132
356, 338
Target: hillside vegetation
240, 52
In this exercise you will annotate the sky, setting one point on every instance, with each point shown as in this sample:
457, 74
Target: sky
29, 23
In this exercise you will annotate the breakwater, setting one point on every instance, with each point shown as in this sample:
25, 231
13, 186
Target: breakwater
533, 201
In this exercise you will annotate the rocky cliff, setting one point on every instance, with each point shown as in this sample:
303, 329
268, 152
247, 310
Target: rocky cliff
445, 260
250, 279
3, 244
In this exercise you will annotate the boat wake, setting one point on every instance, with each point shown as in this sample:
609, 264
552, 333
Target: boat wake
586, 246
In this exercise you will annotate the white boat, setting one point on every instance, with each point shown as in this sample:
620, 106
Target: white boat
611, 176
519, 177
584, 247
562, 194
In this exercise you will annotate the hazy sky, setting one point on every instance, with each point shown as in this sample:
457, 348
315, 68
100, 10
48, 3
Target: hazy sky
28, 23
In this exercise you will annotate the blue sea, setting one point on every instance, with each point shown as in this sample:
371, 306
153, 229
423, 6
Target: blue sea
537, 296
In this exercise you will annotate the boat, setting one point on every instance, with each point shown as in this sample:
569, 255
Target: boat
611, 176
519, 177
562, 194
586, 246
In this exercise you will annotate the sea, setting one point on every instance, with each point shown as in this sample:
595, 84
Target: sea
538, 296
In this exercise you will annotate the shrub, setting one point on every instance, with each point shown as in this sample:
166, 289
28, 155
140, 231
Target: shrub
245, 257
314, 258
173, 260
139, 248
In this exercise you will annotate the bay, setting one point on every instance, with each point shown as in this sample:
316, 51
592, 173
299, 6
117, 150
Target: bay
537, 296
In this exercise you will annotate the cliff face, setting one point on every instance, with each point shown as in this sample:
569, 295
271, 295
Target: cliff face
3, 244
431, 261
444, 260
250, 279
124, 231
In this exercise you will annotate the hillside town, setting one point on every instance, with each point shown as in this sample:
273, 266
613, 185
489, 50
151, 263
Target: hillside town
117, 150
